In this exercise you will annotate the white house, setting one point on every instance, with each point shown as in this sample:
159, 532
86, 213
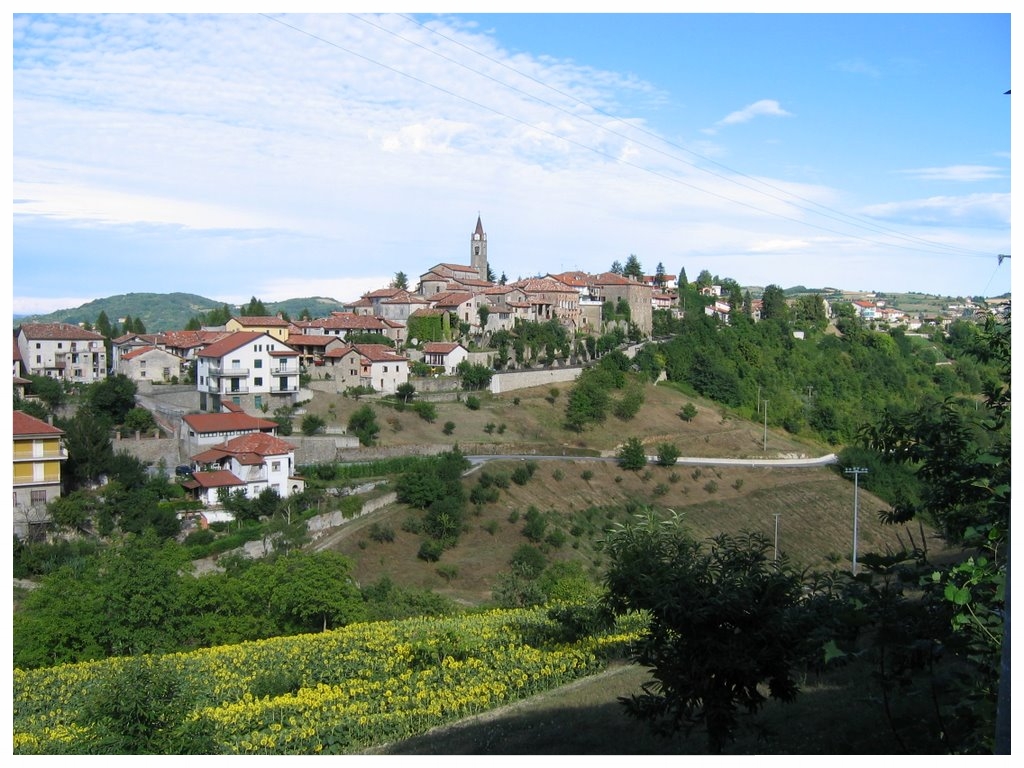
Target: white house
445, 355
252, 462
150, 364
248, 368
381, 369
199, 430
62, 351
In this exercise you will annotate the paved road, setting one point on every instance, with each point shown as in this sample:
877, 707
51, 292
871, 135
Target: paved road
819, 461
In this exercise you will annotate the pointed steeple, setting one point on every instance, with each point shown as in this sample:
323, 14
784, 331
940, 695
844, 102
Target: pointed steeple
478, 248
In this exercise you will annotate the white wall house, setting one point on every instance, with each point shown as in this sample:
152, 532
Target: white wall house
200, 430
150, 364
247, 368
62, 351
253, 463
382, 369
446, 355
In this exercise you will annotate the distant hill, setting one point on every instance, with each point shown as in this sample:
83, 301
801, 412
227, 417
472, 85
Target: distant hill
170, 311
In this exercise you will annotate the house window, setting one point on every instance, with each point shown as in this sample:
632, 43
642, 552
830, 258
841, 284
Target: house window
38, 497
236, 363
258, 381
257, 363
167, 373
275, 466
60, 345
258, 401
38, 345
236, 400
385, 369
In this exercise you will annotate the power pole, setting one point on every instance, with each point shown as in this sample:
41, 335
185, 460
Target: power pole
765, 448
856, 472
777, 536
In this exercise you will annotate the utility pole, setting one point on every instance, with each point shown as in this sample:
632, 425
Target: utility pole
765, 448
856, 472
777, 536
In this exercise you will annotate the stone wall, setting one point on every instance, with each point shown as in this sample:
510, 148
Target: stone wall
507, 381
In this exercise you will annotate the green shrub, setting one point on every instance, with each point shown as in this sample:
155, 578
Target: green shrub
473, 402
311, 424
449, 427
430, 550
382, 533
426, 411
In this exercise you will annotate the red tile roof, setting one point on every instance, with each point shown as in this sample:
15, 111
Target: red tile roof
349, 321
218, 478
59, 331
25, 425
379, 353
138, 352
231, 342
226, 422
440, 347
189, 339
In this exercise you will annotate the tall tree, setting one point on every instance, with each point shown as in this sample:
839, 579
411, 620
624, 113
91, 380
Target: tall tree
682, 284
255, 308
616, 268
113, 397
705, 279
659, 275
87, 438
400, 280
773, 304
633, 268
730, 627
103, 326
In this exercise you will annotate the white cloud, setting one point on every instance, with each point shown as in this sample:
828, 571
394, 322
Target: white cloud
988, 209
762, 108
956, 173
33, 305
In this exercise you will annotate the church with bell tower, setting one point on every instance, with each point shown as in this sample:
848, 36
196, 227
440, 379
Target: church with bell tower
478, 249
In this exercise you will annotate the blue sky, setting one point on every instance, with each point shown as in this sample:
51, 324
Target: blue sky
279, 156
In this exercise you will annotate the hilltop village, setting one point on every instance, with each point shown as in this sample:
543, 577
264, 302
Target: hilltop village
213, 387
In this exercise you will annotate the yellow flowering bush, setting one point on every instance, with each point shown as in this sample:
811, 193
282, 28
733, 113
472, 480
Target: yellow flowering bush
334, 692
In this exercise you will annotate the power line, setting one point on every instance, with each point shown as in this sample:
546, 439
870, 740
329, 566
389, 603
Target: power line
825, 210
672, 179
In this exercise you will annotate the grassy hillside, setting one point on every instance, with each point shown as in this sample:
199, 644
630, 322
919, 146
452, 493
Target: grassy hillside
582, 498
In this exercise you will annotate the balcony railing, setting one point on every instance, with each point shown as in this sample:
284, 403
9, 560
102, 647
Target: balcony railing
215, 388
219, 370
55, 453
284, 370
277, 389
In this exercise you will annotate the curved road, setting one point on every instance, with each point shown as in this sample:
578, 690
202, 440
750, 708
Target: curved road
819, 461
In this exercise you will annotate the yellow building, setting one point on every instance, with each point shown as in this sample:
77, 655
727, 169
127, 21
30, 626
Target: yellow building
38, 453
277, 327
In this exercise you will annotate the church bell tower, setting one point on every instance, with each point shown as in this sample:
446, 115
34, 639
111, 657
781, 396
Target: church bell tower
478, 249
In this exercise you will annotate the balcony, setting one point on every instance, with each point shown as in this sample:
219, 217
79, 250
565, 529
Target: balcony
276, 389
284, 370
221, 371
215, 388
